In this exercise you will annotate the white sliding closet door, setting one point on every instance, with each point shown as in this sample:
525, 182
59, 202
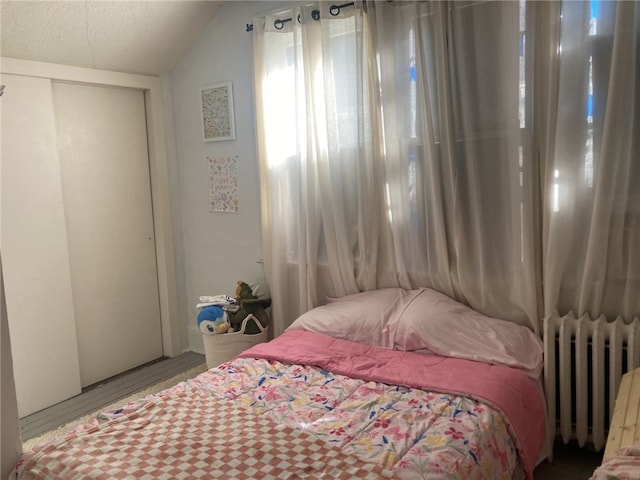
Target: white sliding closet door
34, 248
104, 164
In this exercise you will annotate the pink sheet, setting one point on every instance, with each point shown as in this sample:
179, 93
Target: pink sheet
507, 389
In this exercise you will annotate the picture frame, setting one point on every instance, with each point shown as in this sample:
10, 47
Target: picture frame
218, 119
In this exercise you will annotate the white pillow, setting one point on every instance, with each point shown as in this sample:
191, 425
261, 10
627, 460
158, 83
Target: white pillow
362, 317
439, 324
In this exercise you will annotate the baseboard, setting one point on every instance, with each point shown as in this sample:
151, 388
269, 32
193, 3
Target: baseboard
194, 340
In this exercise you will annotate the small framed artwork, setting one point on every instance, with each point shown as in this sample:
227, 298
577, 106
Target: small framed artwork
218, 121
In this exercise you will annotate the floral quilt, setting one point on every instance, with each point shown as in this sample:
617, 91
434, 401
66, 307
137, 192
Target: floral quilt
187, 434
404, 432
414, 433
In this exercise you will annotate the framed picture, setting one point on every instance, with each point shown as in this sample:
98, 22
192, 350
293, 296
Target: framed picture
218, 121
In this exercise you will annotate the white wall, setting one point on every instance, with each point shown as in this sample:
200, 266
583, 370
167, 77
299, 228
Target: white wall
218, 249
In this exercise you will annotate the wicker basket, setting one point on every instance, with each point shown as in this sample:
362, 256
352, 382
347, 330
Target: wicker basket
222, 348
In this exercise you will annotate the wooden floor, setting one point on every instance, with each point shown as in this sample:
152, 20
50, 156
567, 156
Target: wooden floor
107, 392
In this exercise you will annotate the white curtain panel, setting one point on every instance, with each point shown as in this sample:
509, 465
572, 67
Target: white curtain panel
417, 144
592, 181
457, 167
308, 102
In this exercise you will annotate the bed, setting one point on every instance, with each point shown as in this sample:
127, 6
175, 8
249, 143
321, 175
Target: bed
383, 384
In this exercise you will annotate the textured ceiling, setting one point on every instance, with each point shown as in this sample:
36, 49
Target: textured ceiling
144, 37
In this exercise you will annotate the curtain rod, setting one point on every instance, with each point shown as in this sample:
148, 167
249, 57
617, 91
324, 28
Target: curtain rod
334, 10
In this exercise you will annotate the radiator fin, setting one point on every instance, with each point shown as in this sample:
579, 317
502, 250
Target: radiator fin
584, 361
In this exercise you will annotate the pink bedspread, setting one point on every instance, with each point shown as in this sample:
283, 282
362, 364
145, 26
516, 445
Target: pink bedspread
507, 389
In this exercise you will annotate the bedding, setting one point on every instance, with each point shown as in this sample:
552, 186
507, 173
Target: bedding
184, 435
625, 464
362, 317
366, 411
427, 321
323, 400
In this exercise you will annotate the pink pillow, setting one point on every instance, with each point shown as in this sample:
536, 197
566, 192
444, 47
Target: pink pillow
362, 317
439, 324
425, 321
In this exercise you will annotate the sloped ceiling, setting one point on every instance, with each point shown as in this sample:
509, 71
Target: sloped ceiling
143, 37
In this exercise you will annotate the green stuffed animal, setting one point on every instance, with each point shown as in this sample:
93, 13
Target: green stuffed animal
250, 304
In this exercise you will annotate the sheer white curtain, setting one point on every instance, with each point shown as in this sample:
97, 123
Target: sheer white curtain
311, 149
393, 152
592, 163
457, 162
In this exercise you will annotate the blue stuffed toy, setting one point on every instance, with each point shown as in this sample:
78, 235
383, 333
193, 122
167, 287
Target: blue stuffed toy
213, 320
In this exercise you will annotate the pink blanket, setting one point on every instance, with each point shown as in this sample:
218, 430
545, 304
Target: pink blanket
507, 389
